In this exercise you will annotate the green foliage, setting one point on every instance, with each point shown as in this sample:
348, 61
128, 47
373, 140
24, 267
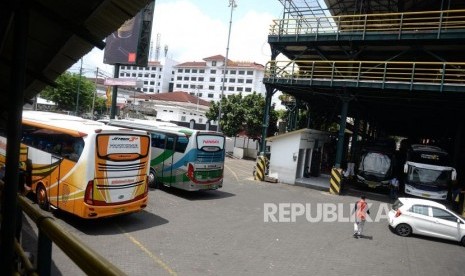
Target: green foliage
243, 114
66, 93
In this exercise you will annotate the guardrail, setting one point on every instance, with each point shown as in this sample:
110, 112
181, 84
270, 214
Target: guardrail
429, 73
83, 256
436, 21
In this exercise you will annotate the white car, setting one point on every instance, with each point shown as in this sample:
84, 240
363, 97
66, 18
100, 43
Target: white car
426, 217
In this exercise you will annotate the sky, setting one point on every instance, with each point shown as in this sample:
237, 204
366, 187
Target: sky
196, 29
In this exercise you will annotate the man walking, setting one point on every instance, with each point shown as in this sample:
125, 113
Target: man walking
361, 211
394, 188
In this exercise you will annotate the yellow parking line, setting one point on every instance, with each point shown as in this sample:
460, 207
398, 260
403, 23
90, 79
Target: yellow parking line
235, 175
151, 255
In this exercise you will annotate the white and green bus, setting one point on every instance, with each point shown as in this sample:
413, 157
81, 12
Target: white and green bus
183, 158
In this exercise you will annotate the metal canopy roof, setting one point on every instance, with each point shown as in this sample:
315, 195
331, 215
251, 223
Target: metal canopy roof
397, 111
60, 33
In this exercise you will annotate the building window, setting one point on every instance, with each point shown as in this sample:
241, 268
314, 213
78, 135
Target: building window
186, 78
179, 78
211, 87
232, 72
123, 67
151, 89
202, 71
152, 75
200, 78
212, 71
183, 118
178, 85
249, 73
193, 78
139, 75
133, 74
240, 89
210, 95
200, 95
231, 88
187, 70
152, 83
214, 63
248, 89
240, 80
194, 70
179, 70
185, 86
193, 86
212, 79
241, 72
232, 80
248, 81
146, 82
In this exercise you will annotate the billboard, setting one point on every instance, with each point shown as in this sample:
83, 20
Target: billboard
129, 44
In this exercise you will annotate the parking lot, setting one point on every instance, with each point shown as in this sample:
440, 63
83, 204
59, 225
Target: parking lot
224, 233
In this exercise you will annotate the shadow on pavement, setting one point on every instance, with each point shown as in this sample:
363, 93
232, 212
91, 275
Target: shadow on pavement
113, 225
198, 195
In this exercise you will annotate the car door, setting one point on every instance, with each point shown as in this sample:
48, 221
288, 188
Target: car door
420, 220
445, 224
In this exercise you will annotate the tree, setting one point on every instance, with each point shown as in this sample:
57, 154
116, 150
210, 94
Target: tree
66, 93
243, 114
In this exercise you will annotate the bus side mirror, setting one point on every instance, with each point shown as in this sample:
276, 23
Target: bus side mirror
405, 168
454, 175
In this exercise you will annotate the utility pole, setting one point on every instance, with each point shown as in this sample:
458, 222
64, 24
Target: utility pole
78, 89
95, 92
232, 4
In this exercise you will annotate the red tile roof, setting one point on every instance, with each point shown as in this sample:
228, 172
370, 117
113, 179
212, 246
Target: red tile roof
177, 96
192, 64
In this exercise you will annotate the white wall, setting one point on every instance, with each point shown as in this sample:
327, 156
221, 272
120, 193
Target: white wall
282, 165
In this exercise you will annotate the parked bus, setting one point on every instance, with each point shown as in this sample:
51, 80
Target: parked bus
81, 166
377, 164
183, 158
428, 172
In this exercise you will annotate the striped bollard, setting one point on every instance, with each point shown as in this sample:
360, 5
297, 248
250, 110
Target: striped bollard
260, 168
335, 181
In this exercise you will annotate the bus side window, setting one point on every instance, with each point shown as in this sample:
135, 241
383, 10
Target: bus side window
181, 144
158, 140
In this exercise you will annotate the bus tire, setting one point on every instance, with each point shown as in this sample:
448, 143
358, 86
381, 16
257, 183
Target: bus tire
41, 198
152, 181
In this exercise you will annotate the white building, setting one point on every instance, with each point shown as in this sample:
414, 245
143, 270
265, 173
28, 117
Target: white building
156, 76
179, 107
205, 78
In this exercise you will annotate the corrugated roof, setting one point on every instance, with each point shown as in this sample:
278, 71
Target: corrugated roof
59, 34
178, 96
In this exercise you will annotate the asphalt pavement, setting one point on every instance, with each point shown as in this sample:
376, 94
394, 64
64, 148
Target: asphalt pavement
232, 231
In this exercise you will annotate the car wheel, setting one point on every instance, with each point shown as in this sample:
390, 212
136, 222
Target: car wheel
152, 182
463, 241
403, 230
41, 198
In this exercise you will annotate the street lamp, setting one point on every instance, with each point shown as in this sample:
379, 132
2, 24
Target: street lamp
232, 4
197, 87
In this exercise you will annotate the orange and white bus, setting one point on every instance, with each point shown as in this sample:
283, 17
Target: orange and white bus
81, 166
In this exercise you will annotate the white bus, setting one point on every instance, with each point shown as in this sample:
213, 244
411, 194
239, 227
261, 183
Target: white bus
428, 172
183, 158
81, 166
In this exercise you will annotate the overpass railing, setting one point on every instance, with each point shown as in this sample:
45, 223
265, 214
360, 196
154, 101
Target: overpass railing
439, 74
408, 22
89, 261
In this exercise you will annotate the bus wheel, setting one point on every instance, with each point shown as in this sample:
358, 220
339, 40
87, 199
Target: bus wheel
41, 198
152, 181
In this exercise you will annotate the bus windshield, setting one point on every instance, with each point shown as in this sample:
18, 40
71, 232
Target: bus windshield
428, 177
375, 163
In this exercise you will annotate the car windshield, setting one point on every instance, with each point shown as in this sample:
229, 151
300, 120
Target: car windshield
428, 176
